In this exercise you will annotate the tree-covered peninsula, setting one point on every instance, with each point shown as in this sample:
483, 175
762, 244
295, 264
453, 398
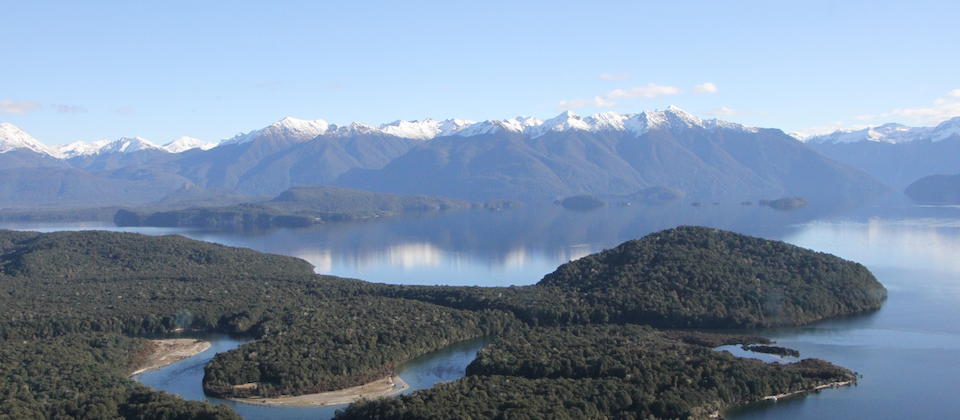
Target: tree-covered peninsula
587, 340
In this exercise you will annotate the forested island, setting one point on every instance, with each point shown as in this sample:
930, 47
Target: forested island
299, 207
598, 337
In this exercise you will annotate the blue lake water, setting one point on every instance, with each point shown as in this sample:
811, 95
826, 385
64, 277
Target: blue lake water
906, 352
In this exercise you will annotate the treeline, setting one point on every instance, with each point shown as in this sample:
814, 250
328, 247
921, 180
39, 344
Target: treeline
630, 372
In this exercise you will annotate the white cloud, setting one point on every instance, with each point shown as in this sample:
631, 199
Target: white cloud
651, 90
17, 107
724, 111
943, 108
615, 76
706, 88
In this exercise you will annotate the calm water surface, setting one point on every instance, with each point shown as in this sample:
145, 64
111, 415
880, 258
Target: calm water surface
907, 352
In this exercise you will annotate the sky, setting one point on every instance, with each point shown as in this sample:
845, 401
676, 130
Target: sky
91, 70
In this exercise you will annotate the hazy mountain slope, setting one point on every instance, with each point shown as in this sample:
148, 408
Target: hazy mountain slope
65, 187
704, 162
896, 154
935, 189
897, 164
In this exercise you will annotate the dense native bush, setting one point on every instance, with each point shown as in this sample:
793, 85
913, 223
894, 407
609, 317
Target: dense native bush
71, 301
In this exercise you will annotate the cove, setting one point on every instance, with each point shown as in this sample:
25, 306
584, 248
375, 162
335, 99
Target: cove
184, 378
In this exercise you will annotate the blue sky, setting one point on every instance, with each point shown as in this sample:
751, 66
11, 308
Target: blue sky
90, 70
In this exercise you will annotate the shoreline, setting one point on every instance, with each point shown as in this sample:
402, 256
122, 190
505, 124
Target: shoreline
169, 351
719, 414
805, 391
385, 387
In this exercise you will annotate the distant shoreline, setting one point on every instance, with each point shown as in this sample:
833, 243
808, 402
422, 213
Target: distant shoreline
385, 387
169, 351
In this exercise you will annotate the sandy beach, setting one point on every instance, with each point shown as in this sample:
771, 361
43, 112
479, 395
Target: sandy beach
804, 391
385, 387
165, 352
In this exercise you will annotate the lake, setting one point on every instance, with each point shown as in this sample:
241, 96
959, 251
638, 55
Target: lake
906, 352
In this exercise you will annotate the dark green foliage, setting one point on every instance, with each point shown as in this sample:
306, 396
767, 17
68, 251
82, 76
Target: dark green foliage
78, 376
707, 278
601, 372
65, 298
781, 351
339, 344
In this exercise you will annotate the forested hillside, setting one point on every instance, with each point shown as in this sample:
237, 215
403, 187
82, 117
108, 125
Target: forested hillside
87, 296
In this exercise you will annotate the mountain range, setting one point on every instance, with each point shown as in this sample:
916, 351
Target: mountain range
896, 154
521, 158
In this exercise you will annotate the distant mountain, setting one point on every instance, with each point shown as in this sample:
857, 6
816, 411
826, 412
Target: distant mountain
614, 153
13, 138
522, 158
896, 154
935, 189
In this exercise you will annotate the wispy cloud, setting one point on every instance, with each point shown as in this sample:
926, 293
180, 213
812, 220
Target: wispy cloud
724, 111
615, 76
69, 109
943, 108
706, 87
18, 107
649, 91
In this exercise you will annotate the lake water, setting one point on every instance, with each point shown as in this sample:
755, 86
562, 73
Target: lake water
906, 352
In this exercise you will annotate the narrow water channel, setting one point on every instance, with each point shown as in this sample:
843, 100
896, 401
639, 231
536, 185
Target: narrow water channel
184, 378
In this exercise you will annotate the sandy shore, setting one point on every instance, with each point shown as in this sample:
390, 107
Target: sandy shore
385, 387
804, 391
172, 350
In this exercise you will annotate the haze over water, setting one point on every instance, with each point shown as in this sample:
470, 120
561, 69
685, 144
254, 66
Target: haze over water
906, 351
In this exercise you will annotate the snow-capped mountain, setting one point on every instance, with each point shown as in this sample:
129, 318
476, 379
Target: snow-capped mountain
182, 144
298, 130
892, 133
13, 138
424, 129
103, 147
671, 118
289, 128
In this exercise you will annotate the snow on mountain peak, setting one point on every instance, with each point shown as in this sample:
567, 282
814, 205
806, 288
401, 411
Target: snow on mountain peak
185, 143
13, 138
671, 118
946, 129
892, 133
302, 128
565, 121
424, 129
